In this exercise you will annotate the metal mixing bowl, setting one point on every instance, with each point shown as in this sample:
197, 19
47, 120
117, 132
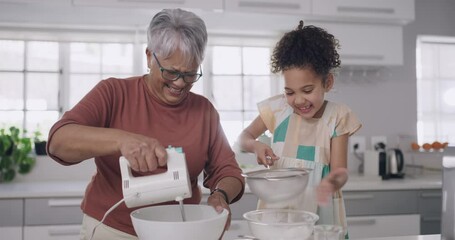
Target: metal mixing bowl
274, 185
281, 224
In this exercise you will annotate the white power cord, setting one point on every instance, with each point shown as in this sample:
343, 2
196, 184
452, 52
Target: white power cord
105, 215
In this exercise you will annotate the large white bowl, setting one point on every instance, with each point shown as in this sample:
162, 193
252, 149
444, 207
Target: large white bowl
281, 224
165, 222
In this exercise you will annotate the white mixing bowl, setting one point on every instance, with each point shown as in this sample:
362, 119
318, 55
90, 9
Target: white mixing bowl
165, 222
281, 224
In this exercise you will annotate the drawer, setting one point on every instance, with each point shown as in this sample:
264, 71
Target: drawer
11, 233
383, 226
50, 211
430, 225
56, 232
11, 212
381, 203
430, 203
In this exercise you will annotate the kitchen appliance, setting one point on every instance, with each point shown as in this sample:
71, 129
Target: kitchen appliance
281, 224
174, 184
165, 223
375, 162
387, 163
448, 196
274, 185
395, 163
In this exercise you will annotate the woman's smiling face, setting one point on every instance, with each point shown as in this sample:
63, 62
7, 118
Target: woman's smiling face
305, 91
170, 92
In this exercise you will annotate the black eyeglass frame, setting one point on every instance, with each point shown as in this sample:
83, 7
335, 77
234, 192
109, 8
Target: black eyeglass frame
177, 73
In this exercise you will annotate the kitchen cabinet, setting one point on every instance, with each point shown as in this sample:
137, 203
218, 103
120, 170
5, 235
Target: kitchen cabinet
402, 11
52, 232
211, 5
430, 207
269, 6
374, 45
11, 225
52, 218
381, 213
383, 226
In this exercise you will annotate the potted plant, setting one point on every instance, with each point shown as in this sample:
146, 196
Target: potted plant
15, 154
40, 143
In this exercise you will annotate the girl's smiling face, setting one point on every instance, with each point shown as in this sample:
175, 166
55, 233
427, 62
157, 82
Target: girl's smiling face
305, 91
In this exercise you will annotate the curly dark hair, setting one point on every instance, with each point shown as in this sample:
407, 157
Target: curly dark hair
308, 46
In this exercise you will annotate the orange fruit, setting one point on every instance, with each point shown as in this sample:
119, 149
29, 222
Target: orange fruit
415, 146
426, 146
436, 145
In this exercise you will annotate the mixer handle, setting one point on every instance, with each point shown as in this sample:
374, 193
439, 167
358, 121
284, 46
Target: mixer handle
172, 164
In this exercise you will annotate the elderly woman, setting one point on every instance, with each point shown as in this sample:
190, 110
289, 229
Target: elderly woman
136, 117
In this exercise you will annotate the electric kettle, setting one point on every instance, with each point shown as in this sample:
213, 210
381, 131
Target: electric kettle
395, 163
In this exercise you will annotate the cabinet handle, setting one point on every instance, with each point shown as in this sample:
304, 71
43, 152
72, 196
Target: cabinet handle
431, 219
271, 5
371, 10
71, 202
431, 195
361, 221
66, 231
359, 197
371, 57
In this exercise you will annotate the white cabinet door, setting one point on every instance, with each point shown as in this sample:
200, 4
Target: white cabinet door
383, 226
11, 233
368, 44
52, 232
269, 6
195, 4
402, 11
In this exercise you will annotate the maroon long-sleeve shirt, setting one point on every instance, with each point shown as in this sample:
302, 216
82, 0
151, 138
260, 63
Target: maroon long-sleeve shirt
127, 104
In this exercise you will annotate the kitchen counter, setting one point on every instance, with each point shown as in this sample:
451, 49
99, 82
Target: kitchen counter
419, 237
77, 188
362, 183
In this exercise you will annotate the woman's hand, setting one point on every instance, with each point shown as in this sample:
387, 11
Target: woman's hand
330, 184
264, 154
143, 153
217, 200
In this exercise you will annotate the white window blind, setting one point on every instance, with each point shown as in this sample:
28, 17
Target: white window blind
436, 89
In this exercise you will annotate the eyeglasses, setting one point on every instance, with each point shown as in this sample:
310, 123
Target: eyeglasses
172, 75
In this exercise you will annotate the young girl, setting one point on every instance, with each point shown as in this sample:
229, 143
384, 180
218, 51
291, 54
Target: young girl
308, 131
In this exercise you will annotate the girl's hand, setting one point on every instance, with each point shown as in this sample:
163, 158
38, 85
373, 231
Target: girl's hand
330, 184
264, 154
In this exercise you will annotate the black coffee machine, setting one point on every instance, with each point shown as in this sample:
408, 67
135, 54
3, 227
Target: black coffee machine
391, 162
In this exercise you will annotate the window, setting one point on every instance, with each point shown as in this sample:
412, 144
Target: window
91, 62
32, 79
241, 78
40, 80
436, 89
29, 84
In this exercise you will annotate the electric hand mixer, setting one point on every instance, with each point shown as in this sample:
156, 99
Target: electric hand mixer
174, 184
